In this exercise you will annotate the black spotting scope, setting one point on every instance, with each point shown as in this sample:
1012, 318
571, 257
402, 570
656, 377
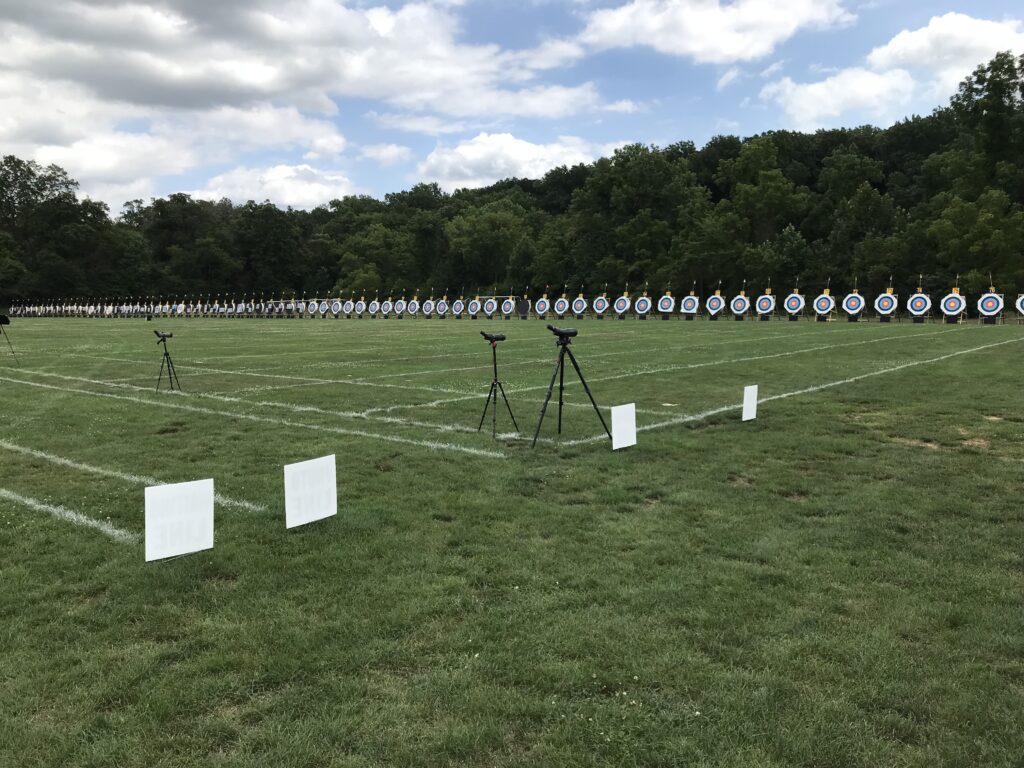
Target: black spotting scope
493, 337
563, 333
5, 320
161, 336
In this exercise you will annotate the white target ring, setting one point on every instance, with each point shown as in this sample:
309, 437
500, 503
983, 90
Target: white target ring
542, 306
714, 304
579, 305
561, 306
600, 305
824, 304
643, 305
1020, 304
853, 304
622, 305
765, 304
739, 305
689, 305
953, 304
885, 304
990, 305
919, 304
508, 306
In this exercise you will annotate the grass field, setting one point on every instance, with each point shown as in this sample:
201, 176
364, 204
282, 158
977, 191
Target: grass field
839, 583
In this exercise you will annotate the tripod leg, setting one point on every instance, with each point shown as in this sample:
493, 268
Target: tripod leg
561, 395
160, 377
8, 338
584, 383
505, 398
487, 405
171, 370
547, 398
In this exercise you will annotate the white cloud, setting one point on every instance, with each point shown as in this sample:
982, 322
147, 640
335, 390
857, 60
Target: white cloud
298, 186
729, 76
386, 154
428, 124
489, 157
915, 70
624, 106
710, 31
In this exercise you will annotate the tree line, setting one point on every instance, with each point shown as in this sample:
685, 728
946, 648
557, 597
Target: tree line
936, 196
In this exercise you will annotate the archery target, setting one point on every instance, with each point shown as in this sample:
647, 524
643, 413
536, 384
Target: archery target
360, 307
474, 307
400, 306
302, 307
919, 304
1020, 304
953, 304
666, 304
290, 307
600, 305
413, 307
643, 305
508, 306
714, 304
561, 306
312, 307
853, 304
739, 305
428, 307
324, 306
442, 307
765, 304
374, 307
336, 308
579, 305
490, 307
541, 307
885, 304
689, 305
386, 307
250, 308
622, 305
990, 305
824, 304
458, 307
351, 306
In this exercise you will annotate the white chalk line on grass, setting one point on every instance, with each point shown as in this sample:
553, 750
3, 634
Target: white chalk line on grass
805, 391
71, 516
432, 444
128, 477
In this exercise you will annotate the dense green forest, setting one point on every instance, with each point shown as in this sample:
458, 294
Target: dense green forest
939, 195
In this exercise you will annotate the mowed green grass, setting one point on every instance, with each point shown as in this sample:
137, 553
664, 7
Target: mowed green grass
839, 583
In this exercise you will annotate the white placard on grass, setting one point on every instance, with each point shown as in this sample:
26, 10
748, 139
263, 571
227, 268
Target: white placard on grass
623, 426
750, 403
310, 491
179, 519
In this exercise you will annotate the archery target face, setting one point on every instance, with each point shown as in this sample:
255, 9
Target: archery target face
414, 307
918, 304
824, 304
990, 304
715, 304
622, 304
508, 306
324, 306
490, 307
442, 307
1020, 304
666, 304
600, 305
765, 304
312, 307
885, 304
953, 304
336, 308
360, 307
689, 305
561, 306
579, 305
853, 304
386, 307
349, 307
541, 307
428, 307
643, 305
460, 306
739, 305
400, 306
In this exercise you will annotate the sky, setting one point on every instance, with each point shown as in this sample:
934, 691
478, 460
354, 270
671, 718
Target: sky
303, 101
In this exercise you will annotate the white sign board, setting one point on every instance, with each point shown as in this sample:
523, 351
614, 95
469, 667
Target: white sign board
750, 403
623, 426
310, 491
179, 519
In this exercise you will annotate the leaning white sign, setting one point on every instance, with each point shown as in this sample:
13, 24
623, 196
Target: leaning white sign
179, 519
750, 403
310, 491
623, 426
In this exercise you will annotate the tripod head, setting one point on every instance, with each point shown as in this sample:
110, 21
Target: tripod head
161, 338
5, 320
494, 338
563, 334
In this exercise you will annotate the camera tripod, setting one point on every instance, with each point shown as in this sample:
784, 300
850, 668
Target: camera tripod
564, 336
5, 321
495, 388
172, 375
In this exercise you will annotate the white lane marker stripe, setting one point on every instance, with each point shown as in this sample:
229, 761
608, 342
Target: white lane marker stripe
71, 516
227, 501
807, 390
432, 444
